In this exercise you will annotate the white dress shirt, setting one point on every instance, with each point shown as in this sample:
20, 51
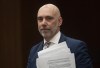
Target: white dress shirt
54, 40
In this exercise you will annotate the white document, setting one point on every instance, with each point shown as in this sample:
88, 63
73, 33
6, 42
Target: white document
56, 62
58, 56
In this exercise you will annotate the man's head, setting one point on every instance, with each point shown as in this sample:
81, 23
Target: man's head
49, 21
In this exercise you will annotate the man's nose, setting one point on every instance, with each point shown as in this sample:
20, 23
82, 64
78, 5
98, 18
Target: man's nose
44, 22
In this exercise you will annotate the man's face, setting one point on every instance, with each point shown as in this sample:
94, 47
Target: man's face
48, 22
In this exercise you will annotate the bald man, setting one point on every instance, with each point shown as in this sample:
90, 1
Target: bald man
49, 21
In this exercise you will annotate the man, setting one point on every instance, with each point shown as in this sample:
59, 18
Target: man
49, 21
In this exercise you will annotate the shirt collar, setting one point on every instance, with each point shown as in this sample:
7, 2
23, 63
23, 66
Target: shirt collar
55, 39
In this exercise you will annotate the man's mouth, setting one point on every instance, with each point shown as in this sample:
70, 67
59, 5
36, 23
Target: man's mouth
45, 30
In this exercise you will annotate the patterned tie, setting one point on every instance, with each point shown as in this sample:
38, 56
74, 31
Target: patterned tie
47, 44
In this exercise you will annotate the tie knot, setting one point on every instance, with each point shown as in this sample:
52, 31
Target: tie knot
47, 44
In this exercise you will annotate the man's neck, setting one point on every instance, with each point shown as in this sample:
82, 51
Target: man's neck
54, 39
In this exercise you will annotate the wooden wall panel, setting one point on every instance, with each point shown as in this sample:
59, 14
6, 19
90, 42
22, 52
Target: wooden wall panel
10, 34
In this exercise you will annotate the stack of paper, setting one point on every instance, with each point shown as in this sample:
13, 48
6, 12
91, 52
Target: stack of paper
56, 56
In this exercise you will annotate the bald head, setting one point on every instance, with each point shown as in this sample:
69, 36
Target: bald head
54, 9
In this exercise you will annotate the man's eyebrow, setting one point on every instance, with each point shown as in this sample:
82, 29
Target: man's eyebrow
48, 16
39, 17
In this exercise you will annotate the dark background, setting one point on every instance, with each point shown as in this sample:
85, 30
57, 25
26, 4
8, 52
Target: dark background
18, 28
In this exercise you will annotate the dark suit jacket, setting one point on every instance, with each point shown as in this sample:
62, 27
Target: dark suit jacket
77, 47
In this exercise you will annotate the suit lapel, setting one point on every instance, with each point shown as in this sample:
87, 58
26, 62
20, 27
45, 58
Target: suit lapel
62, 38
40, 46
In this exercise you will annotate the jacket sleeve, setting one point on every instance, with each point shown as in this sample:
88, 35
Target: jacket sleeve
32, 58
82, 57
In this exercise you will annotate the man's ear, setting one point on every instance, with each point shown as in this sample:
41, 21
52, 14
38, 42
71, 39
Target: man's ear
60, 21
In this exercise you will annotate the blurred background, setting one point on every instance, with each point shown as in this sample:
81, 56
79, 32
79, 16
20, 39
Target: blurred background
18, 28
